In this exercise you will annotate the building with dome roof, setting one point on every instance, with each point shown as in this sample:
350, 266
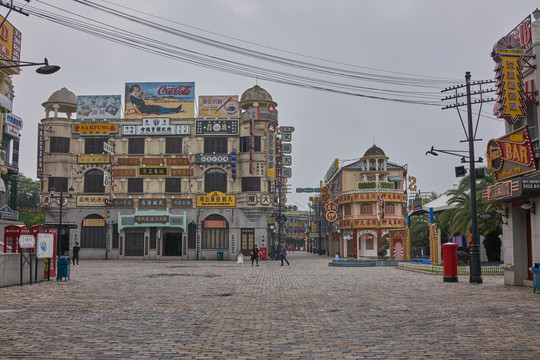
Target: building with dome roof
371, 201
189, 187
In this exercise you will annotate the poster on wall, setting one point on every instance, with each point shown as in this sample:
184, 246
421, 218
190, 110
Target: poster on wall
99, 106
167, 99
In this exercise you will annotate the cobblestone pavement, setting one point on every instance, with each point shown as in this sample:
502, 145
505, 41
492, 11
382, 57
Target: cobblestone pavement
218, 310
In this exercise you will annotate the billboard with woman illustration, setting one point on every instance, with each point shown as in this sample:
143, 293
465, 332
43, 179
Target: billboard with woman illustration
171, 100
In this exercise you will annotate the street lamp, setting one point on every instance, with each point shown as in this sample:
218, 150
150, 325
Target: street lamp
61, 197
44, 67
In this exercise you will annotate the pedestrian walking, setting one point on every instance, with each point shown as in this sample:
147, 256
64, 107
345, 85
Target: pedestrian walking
240, 259
255, 255
75, 249
283, 254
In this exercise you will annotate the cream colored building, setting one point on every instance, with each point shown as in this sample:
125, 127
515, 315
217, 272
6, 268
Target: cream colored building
187, 196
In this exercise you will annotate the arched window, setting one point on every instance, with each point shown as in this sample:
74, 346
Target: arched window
94, 236
93, 181
215, 232
215, 180
347, 210
365, 209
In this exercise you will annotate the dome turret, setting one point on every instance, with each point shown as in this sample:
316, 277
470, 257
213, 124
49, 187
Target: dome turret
255, 94
65, 99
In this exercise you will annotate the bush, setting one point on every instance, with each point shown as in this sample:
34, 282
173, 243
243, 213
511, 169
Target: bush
462, 256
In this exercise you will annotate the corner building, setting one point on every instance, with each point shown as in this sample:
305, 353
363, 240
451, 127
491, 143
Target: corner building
199, 192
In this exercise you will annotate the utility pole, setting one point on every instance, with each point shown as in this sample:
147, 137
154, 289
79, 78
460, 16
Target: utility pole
475, 267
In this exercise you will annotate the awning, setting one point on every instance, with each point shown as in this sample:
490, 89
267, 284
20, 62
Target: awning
5, 104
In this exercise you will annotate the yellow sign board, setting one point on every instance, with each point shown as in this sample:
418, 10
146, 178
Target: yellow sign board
94, 222
94, 128
92, 200
216, 199
94, 159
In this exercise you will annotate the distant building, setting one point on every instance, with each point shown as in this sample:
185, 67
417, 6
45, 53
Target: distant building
371, 201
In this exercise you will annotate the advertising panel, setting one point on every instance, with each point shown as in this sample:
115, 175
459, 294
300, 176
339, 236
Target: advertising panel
167, 99
13, 124
94, 128
216, 127
156, 126
511, 155
98, 106
218, 106
45, 245
10, 41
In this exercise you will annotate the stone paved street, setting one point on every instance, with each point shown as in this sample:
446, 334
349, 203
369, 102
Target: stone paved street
218, 310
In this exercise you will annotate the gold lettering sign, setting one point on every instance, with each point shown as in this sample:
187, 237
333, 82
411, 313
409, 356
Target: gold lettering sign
180, 172
178, 161
92, 200
93, 159
153, 161
94, 222
124, 172
216, 199
153, 171
94, 128
129, 161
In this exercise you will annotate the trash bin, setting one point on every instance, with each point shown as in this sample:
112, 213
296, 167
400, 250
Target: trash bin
536, 276
450, 273
62, 268
220, 254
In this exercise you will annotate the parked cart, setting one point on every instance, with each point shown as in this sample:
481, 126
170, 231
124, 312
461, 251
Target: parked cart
62, 269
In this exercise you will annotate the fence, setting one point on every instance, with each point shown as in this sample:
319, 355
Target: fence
488, 269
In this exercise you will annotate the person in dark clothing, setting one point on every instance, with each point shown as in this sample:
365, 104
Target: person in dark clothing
255, 255
283, 254
137, 99
76, 248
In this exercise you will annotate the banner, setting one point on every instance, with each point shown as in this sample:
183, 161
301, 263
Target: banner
218, 106
99, 106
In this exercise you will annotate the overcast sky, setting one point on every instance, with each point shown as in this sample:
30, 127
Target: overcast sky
420, 40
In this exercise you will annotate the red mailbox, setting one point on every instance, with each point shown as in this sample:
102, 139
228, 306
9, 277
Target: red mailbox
450, 262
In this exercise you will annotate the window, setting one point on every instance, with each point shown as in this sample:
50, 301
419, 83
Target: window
58, 184
93, 145
173, 145
216, 145
59, 145
347, 210
135, 185
93, 181
389, 209
173, 185
215, 238
248, 239
369, 241
365, 209
244, 143
136, 146
215, 180
251, 184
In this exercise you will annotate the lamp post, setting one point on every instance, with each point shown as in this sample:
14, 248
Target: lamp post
59, 229
43, 69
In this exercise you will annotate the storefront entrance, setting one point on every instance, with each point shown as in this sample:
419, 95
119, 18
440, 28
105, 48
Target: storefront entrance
172, 244
134, 244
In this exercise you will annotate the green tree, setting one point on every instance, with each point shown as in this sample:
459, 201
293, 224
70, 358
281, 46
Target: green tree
27, 192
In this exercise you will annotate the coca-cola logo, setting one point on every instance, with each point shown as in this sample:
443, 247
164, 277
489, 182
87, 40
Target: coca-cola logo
179, 90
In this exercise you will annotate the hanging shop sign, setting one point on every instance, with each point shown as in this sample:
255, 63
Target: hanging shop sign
94, 128
94, 159
510, 104
216, 199
271, 131
510, 190
213, 159
92, 200
331, 170
215, 224
511, 155
156, 99
156, 126
216, 127
152, 203
153, 171
267, 113
218, 106
127, 203
12, 124
10, 41
145, 219
99, 106
181, 203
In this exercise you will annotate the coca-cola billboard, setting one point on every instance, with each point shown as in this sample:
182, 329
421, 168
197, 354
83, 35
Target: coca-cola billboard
169, 100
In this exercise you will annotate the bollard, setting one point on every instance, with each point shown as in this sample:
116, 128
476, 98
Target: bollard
450, 273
